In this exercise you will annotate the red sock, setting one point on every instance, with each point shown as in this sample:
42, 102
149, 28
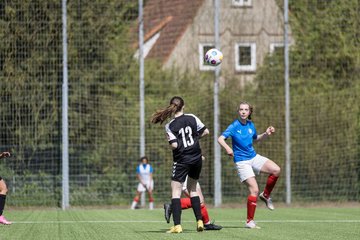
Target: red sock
205, 214
151, 199
185, 203
270, 183
251, 206
136, 199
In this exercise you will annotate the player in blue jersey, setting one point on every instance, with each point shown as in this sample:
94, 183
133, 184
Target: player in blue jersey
144, 172
247, 162
3, 191
183, 132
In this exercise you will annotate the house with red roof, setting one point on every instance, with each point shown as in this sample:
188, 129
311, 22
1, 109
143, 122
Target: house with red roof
179, 32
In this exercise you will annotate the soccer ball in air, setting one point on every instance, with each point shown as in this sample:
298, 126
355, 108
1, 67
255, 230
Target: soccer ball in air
213, 57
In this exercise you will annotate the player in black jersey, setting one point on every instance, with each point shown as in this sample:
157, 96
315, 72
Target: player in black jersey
183, 133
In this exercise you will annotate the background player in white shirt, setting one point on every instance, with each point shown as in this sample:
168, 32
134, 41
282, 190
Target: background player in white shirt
146, 183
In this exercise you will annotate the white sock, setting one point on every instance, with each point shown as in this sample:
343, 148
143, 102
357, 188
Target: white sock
133, 205
151, 205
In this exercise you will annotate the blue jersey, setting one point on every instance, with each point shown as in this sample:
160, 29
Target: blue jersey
242, 136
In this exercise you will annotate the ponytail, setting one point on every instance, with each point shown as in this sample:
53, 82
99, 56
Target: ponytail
176, 105
163, 114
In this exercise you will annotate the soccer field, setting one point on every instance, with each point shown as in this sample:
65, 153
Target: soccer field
283, 223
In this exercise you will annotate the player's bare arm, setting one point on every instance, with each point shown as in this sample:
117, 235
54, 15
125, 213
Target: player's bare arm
174, 145
229, 151
205, 132
140, 180
270, 130
4, 154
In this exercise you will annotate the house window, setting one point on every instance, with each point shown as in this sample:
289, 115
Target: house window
276, 48
245, 57
203, 48
242, 3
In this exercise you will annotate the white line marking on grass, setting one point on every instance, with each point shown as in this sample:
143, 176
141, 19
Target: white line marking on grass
219, 221
105, 221
299, 221
309, 221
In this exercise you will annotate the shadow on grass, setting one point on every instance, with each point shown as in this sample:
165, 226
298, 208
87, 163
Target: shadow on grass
224, 227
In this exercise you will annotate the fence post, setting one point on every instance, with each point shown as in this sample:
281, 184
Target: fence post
13, 184
287, 104
65, 127
217, 150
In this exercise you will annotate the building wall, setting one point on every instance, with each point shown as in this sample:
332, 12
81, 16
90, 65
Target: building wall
262, 24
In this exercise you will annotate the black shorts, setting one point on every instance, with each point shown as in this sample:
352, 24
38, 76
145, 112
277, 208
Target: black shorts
181, 170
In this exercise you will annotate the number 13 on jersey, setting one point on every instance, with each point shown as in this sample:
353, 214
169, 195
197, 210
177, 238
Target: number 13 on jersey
186, 133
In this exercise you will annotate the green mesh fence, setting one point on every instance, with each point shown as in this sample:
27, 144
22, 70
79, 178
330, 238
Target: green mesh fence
104, 104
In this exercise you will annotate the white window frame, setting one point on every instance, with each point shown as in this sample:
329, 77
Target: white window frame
245, 68
275, 45
241, 3
202, 65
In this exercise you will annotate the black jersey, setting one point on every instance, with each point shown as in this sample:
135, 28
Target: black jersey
186, 131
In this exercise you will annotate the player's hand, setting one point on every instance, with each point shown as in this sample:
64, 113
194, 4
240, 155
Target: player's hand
4, 154
270, 130
203, 158
230, 152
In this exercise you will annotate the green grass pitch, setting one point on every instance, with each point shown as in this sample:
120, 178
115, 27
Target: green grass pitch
316, 223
